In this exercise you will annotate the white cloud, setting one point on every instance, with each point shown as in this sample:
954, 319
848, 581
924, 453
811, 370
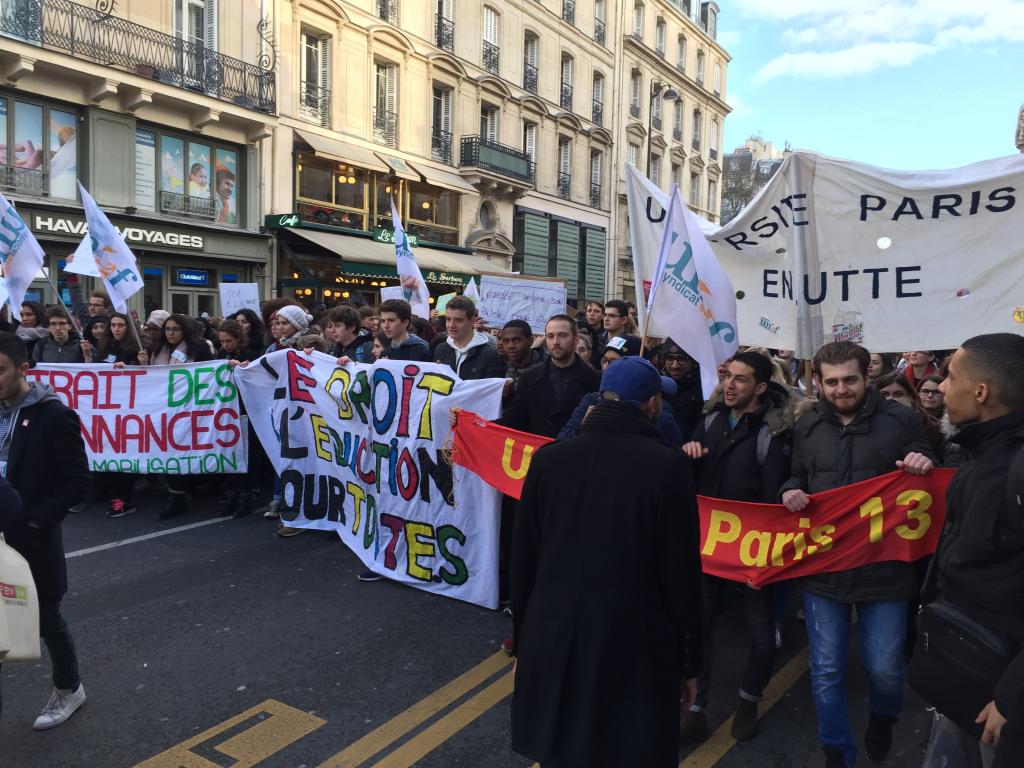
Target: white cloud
739, 107
730, 39
849, 61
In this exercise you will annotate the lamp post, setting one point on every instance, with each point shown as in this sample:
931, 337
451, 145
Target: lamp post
670, 94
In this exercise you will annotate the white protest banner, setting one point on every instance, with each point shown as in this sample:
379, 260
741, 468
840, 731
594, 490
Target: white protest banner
21, 257
392, 292
237, 296
409, 275
3, 292
361, 451
81, 262
895, 260
162, 419
533, 299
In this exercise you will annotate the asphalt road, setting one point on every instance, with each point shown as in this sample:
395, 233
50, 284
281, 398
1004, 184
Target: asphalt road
224, 646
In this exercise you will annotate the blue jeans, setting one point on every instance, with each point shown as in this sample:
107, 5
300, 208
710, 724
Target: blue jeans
882, 628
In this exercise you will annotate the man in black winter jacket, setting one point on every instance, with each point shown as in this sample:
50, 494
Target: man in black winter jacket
63, 345
850, 435
980, 557
467, 351
688, 401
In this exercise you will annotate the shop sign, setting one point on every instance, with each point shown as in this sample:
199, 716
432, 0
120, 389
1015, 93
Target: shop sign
192, 276
282, 221
45, 223
445, 278
381, 235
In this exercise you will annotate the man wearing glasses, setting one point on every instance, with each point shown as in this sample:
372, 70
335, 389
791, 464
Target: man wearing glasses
97, 304
63, 344
616, 315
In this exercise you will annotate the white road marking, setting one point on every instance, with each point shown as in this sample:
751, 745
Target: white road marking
146, 537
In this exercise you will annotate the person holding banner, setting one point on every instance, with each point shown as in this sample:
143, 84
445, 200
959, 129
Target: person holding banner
465, 350
852, 434
43, 457
395, 319
348, 338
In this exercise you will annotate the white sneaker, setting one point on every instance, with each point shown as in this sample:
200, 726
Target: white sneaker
62, 705
272, 509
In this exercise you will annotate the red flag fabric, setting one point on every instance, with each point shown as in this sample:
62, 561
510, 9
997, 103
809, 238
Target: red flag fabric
499, 455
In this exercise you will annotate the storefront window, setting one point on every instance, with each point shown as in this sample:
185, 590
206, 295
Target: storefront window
331, 193
196, 180
38, 145
225, 189
145, 170
433, 214
63, 154
172, 165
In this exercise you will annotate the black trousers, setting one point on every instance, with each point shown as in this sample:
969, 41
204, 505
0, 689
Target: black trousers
54, 631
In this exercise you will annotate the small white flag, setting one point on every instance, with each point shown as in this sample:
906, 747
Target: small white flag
81, 261
414, 287
114, 260
21, 257
473, 293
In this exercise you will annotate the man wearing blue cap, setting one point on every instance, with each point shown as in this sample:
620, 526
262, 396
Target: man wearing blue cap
606, 588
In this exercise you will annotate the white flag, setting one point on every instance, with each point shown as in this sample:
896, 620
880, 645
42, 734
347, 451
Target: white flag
114, 260
21, 257
472, 292
3, 291
695, 305
414, 287
81, 261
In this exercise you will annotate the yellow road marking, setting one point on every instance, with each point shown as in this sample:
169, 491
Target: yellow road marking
285, 726
721, 741
421, 711
439, 732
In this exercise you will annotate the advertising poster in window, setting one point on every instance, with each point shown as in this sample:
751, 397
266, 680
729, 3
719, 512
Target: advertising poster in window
28, 136
172, 165
3, 132
225, 179
63, 154
198, 171
145, 170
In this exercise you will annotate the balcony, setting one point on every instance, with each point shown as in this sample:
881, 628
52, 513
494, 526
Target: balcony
186, 205
388, 11
385, 127
91, 35
491, 57
565, 99
569, 11
529, 77
34, 181
677, 134
497, 162
695, 143
634, 110
681, 67
597, 115
565, 185
595, 195
660, 50
713, 154
315, 103
441, 146
444, 33
599, 33
700, 79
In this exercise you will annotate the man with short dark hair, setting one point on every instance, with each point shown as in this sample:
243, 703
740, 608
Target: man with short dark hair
348, 338
466, 350
616, 315
42, 456
63, 345
395, 317
980, 556
853, 434
688, 401
515, 343
594, 328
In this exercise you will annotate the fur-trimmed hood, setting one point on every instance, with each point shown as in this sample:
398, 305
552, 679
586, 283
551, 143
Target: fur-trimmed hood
781, 411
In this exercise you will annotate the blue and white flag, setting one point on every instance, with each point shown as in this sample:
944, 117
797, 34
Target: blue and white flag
114, 260
695, 303
81, 261
21, 257
414, 287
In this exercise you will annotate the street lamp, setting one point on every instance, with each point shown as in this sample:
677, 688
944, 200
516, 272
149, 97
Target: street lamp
670, 94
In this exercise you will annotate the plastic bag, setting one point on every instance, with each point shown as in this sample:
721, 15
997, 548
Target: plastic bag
950, 746
19, 608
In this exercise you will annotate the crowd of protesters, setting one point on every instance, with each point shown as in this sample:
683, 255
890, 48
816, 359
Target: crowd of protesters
590, 688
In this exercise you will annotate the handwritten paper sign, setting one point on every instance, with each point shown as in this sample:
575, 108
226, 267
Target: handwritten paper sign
521, 298
237, 296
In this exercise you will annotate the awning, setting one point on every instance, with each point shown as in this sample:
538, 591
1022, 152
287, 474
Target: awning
398, 167
358, 249
343, 152
445, 179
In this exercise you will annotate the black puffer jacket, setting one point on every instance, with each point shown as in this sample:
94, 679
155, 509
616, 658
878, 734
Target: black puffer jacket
687, 403
828, 455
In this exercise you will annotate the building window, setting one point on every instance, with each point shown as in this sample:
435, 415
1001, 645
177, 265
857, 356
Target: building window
491, 46
635, 88
677, 120
638, 21
565, 97
489, 122
596, 172
598, 94
444, 26
195, 24
599, 29
441, 130
694, 190
677, 175
564, 167
196, 179
711, 22
433, 213
388, 11
530, 140
632, 151
38, 149
385, 104
700, 67
659, 38
656, 114
315, 85
681, 53
530, 44
331, 193
695, 141
656, 170
716, 84
712, 192
713, 139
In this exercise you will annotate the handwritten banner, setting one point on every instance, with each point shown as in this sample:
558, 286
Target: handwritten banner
506, 297
169, 419
896, 516
361, 451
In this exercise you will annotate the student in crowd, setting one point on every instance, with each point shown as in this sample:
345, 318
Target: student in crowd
347, 336
395, 318
153, 328
881, 363
920, 365
32, 327
93, 329
688, 401
616, 317
853, 434
593, 329
43, 458
97, 303
252, 326
380, 343
515, 344
931, 397
896, 387
584, 345
241, 489
63, 345
368, 318
467, 351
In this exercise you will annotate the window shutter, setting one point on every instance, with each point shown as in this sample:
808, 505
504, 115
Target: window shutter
210, 33
324, 61
635, 89
445, 8
490, 26
595, 169
446, 110
531, 51
391, 85
567, 70
530, 140
599, 10
599, 88
564, 157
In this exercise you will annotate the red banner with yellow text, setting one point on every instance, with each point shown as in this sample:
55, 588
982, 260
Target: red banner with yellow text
897, 516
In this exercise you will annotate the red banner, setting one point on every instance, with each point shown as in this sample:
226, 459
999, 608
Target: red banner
897, 516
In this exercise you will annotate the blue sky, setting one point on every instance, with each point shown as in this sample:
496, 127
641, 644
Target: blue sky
907, 84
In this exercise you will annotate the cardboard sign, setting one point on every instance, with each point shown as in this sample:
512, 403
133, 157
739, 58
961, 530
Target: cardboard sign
238, 296
533, 299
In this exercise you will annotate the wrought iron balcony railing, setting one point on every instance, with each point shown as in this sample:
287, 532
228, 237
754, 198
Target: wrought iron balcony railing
385, 127
599, 33
478, 152
660, 50
441, 145
713, 154
569, 11
634, 110
564, 185
695, 143
595, 195
315, 103
444, 33
565, 100
700, 79
388, 11
529, 77
681, 66
677, 134
27, 181
185, 205
89, 34
491, 57
597, 115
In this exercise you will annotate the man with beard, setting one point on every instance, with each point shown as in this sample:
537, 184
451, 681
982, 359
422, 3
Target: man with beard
688, 401
852, 434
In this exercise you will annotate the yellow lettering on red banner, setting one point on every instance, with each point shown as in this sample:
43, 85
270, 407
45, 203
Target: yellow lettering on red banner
822, 538
717, 535
873, 509
918, 513
524, 461
763, 540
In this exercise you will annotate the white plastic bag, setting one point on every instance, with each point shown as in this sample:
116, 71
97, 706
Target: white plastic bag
950, 746
19, 608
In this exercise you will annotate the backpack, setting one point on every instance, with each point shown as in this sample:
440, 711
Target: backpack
764, 441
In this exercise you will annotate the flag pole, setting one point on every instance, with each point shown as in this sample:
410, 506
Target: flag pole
60, 300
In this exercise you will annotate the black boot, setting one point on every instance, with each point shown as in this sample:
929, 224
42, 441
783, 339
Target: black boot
834, 758
242, 506
175, 505
744, 721
878, 737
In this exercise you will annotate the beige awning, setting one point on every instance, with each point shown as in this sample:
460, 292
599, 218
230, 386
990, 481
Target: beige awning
343, 152
358, 249
398, 167
446, 179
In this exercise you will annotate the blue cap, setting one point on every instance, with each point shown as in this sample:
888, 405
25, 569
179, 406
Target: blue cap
634, 380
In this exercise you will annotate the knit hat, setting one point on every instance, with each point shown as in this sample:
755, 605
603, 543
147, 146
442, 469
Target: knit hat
158, 317
296, 316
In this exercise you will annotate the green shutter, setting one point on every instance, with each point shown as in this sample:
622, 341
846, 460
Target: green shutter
567, 254
595, 259
535, 245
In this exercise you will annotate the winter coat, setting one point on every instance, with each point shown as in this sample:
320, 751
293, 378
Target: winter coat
666, 426
46, 464
536, 408
479, 360
687, 403
731, 469
537, 358
49, 351
828, 455
10, 503
359, 349
602, 650
981, 552
413, 348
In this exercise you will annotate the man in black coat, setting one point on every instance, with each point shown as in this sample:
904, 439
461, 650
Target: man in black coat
606, 597
688, 401
43, 457
980, 557
467, 351
852, 434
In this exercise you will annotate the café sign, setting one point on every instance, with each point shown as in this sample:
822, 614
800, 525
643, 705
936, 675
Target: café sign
134, 235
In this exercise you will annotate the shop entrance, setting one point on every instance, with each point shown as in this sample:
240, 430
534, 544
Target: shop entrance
193, 302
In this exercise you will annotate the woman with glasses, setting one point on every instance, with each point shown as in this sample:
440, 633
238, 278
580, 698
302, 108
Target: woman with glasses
898, 388
931, 397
